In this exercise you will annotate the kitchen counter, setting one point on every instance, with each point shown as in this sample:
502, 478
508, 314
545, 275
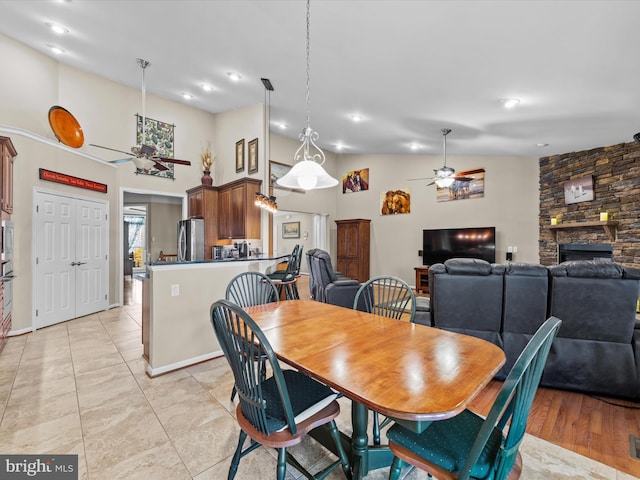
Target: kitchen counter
177, 296
262, 257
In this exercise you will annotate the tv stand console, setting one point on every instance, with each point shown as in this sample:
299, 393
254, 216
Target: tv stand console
422, 279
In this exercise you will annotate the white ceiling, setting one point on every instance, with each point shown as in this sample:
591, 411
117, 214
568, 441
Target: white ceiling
409, 68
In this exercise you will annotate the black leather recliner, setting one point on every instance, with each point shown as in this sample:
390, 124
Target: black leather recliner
325, 284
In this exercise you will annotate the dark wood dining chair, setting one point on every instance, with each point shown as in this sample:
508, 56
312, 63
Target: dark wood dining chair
286, 280
248, 289
278, 411
391, 297
251, 288
470, 446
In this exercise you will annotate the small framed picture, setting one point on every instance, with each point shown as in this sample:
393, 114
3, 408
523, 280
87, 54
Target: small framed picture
291, 230
253, 155
240, 155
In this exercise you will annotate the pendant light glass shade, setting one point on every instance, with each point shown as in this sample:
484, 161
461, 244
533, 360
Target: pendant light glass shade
308, 173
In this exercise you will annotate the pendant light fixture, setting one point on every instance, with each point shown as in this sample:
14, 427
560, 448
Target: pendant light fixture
445, 176
308, 173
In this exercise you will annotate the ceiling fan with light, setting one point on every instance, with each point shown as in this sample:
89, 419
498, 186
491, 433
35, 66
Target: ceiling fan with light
145, 157
445, 176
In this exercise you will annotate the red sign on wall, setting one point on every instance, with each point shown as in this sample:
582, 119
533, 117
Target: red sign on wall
72, 181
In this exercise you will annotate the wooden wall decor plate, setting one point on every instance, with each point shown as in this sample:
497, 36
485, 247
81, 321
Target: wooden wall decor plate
65, 127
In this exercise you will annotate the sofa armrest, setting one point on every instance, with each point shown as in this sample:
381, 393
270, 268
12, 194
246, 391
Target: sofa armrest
342, 292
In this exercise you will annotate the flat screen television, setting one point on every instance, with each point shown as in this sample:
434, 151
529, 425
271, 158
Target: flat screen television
442, 244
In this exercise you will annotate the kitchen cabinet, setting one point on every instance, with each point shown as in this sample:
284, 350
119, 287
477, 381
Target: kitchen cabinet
353, 248
203, 202
7, 154
238, 216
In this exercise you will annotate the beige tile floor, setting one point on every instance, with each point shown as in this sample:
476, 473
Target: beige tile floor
80, 387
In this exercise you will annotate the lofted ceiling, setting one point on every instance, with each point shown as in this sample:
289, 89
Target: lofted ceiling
409, 68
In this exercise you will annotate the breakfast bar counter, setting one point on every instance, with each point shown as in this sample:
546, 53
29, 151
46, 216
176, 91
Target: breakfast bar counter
176, 297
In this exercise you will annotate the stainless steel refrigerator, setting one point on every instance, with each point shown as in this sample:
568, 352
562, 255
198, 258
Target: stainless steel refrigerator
190, 240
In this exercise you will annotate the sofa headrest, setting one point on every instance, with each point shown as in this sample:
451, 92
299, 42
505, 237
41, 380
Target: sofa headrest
527, 270
587, 269
472, 266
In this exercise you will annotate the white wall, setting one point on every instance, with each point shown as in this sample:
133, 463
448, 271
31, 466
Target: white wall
510, 204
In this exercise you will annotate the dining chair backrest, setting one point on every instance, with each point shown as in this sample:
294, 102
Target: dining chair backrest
513, 403
251, 288
388, 296
293, 265
248, 352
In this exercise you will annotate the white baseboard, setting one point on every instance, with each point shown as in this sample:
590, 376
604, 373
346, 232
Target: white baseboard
154, 372
15, 333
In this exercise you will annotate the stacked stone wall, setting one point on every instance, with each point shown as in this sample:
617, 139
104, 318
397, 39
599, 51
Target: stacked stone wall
616, 180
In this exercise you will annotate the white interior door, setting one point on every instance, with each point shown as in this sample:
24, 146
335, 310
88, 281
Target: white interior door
91, 255
71, 258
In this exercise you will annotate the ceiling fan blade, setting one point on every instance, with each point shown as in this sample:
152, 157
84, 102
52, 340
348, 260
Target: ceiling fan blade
421, 178
172, 160
432, 183
108, 148
121, 160
464, 179
160, 166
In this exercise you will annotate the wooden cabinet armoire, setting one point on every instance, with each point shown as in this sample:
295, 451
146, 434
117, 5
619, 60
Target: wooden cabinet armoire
353, 248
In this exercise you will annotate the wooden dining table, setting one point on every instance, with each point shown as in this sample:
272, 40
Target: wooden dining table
412, 373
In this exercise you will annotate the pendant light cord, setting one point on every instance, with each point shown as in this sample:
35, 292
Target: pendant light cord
308, 64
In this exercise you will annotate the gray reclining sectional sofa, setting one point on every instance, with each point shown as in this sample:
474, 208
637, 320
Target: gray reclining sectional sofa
597, 349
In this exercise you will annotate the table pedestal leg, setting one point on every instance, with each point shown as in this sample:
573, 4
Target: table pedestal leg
359, 441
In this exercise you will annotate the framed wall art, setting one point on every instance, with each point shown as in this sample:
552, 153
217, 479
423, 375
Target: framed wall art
468, 184
578, 190
393, 202
159, 135
253, 156
355, 181
291, 230
240, 155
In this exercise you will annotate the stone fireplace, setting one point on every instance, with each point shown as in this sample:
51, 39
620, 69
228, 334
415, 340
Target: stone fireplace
616, 187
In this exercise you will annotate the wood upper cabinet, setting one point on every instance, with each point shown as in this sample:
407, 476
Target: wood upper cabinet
7, 154
204, 203
238, 217
353, 248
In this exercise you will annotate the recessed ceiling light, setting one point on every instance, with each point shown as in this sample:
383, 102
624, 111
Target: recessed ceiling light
510, 102
59, 29
282, 126
542, 144
339, 147
187, 96
414, 146
356, 117
206, 87
234, 76
56, 50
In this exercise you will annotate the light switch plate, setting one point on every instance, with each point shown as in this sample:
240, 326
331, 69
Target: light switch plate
175, 290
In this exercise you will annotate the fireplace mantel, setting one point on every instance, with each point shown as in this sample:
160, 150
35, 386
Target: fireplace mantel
609, 226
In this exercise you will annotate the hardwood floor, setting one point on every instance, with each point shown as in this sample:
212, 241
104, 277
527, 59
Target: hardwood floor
593, 426
596, 427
